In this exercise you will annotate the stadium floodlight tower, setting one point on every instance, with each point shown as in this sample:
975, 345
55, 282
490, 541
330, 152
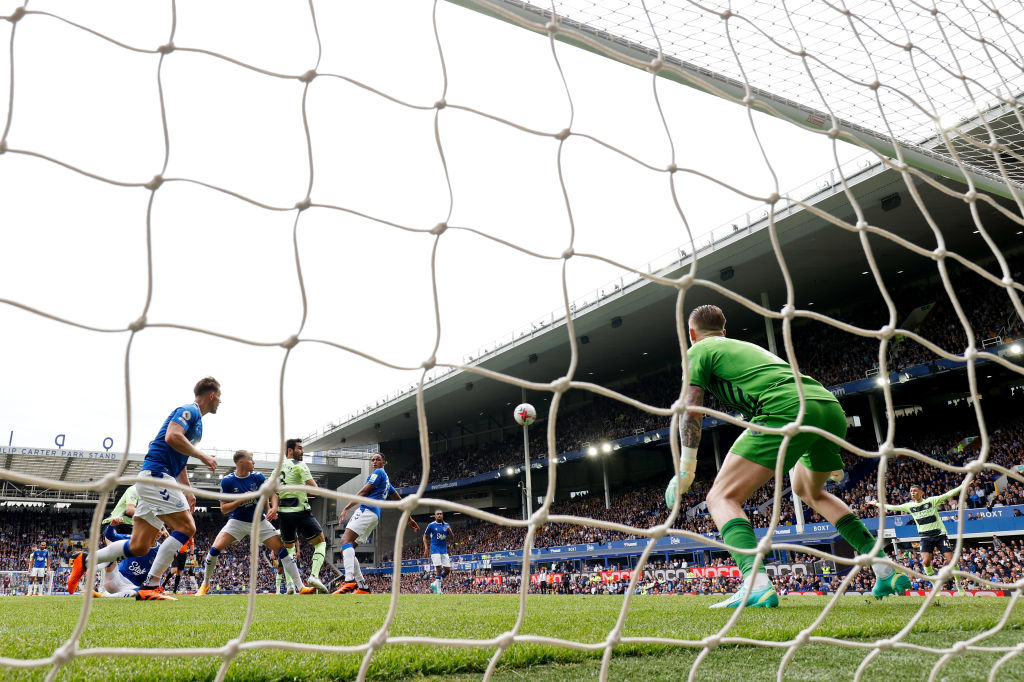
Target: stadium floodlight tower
525, 414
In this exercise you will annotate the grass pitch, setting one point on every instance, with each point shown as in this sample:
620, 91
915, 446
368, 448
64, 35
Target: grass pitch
32, 627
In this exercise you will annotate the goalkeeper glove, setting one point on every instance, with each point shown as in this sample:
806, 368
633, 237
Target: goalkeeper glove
687, 472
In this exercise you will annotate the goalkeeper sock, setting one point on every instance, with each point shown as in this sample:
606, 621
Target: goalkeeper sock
348, 553
211, 564
860, 538
319, 552
739, 533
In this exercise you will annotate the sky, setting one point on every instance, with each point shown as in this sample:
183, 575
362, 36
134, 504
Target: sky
75, 247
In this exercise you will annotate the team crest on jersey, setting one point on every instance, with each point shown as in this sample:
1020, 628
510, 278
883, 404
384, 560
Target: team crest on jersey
186, 415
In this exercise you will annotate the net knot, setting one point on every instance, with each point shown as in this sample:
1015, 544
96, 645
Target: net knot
568, 253
970, 196
960, 647
505, 640
429, 363
833, 133
16, 15
378, 640
308, 76
887, 450
231, 648
939, 253
551, 27
561, 385
562, 134
440, 104
304, 204
748, 100
887, 331
64, 654
290, 342
772, 198
975, 466
138, 325
885, 644
802, 638
874, 85
726, 15
908, 47
438, 230
153, 184
862, 225
167, 48
656, 65
788, 311
671, 168
712, 641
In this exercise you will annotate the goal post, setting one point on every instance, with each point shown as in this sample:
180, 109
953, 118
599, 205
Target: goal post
971, 134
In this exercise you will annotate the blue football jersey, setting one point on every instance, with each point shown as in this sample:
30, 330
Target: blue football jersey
164, 459
382, 489
247, 484
437, 533
136, 568
39, 558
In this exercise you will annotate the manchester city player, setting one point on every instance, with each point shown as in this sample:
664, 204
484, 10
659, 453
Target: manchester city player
925, 512
39, 562
296, 515
240, 523
435, 546
159, 505
362, 523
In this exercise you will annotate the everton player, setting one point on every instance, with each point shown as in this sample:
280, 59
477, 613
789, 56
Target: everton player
160, 505
39, 562
245, 480
362, 523
435, 545
125, 578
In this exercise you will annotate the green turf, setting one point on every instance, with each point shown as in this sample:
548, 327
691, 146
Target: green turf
35, 626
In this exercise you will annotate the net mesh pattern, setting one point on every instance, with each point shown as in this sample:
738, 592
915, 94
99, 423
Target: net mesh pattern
955, 57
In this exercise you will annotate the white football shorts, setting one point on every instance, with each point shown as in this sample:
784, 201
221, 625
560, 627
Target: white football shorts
362, 524
155, 500
37, 572
114, 582
240, 530
441, 560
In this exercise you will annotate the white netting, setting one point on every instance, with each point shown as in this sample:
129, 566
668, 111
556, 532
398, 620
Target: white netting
941, 60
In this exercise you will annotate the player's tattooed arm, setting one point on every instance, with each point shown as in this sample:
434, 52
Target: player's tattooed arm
690, 427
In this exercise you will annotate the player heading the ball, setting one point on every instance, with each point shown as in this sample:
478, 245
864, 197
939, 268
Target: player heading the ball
748, 379
378, 487
159, 505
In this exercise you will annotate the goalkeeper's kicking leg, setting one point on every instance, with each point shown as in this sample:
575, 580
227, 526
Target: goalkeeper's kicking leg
810, 487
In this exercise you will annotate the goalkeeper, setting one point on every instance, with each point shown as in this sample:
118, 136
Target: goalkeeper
748, 379
925, 512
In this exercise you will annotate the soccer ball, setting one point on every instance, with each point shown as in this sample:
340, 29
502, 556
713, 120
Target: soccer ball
525, 414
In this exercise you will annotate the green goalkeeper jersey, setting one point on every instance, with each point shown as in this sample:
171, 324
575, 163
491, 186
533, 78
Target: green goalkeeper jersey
926, 512
748, 379
293, 473
129, 496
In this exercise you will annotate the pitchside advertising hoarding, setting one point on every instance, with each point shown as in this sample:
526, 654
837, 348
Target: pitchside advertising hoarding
978, 522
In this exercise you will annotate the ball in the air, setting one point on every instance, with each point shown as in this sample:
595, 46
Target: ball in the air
525, 414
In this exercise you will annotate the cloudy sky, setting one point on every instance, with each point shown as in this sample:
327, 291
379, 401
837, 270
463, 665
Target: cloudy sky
75, 247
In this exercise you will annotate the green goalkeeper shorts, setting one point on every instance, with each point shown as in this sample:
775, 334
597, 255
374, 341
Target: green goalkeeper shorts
816, 453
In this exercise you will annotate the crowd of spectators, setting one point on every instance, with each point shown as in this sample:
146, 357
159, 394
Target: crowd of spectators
999, 560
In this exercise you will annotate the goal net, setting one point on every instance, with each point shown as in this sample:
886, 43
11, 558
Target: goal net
496, 164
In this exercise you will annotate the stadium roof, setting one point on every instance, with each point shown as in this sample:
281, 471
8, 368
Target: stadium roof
827, 264
75, 466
